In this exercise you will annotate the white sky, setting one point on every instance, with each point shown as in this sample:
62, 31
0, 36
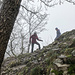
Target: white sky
61, 16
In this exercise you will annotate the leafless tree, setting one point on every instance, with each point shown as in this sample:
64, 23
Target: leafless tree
27, 22
50, 3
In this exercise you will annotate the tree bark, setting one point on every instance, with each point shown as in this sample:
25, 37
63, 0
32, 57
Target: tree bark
8, 14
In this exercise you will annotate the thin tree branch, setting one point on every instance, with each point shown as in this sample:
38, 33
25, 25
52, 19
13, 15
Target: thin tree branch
48, 4
29, 10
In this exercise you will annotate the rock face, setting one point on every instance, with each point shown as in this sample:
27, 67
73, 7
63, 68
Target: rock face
73, 52
57, 58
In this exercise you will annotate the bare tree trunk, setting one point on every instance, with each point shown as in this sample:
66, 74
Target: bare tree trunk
22, 46
29, 30
12, 49
8, 14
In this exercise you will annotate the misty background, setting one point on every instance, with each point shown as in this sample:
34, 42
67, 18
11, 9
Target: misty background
42, 17
61, 16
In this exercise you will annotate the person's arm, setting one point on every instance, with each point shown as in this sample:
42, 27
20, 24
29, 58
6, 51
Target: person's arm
39, 39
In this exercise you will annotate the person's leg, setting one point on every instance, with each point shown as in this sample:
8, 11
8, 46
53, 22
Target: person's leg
38, 44
32, 47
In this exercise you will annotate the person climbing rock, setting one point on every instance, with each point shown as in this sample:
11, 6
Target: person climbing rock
33, 39
58, 33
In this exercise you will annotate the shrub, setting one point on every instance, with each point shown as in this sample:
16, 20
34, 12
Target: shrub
57, 72
71, 69
36, 71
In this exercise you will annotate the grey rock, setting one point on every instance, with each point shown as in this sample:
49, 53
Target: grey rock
73, 52
58, 61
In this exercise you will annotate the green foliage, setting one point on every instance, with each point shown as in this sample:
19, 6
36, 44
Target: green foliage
50, 53
48, 69
57, 72
72, 44
23, 55
62, 45
14, 63
40, 55
74, 40
29, 63
36, 71
47, 61
53, 57
23, 71
67, 39
71, 69
20, 73
69, 56
68, 51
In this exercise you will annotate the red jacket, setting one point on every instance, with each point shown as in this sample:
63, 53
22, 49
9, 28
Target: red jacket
34, 37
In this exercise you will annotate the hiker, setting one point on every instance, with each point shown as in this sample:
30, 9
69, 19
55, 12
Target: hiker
34, 37
58, 33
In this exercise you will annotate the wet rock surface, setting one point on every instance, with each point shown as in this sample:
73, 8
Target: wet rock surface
41, 62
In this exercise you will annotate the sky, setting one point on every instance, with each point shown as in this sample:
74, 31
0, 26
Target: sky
61, 16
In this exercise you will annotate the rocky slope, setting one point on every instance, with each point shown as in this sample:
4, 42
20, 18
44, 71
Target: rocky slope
57, 58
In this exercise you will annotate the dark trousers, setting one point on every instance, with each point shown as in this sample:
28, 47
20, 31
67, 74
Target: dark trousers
33, 46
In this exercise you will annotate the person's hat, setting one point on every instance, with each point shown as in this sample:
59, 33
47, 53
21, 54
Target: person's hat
56, 28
